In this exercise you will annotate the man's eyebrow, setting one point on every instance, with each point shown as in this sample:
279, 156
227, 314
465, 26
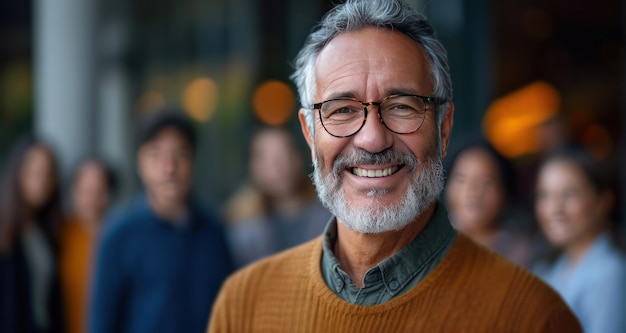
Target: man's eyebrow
401, 91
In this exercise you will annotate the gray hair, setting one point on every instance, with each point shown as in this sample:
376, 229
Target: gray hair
355, 15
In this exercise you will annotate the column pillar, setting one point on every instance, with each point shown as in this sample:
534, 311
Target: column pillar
64, 60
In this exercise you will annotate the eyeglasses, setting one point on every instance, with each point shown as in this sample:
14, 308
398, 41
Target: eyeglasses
402, 114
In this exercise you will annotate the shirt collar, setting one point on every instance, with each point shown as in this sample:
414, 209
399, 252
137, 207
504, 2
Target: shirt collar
399, 269
189, 220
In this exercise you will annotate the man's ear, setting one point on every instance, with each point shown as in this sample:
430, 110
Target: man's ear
306, 130
446, 128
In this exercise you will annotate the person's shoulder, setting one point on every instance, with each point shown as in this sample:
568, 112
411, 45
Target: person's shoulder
605, 267
204, 213
125, 218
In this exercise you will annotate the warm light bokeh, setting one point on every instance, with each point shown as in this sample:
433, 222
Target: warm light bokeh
274, 102
511, 122
200, 99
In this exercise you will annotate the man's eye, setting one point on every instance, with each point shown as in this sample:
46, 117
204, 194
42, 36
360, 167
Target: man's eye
401, 107
343, 110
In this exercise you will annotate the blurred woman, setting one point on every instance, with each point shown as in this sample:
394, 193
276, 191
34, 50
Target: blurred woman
30, 216
479, 195
91, 188
278, 209
573, 207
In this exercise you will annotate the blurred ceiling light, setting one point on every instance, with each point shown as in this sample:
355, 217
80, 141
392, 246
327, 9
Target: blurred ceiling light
200, 99
511, 122
149, 101
274, 102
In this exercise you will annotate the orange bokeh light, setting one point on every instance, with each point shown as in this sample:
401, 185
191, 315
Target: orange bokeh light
200, 99
274, 102
511, 122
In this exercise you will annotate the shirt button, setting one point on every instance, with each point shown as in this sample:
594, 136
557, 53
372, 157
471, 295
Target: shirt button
393, 284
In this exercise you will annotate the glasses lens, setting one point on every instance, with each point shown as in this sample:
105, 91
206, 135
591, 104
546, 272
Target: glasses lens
342, 117
403, 114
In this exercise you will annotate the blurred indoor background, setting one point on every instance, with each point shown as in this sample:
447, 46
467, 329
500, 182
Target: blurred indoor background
528, 74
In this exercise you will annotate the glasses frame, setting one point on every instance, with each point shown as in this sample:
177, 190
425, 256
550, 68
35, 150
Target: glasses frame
426, 99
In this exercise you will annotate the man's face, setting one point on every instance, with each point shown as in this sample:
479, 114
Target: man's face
165, 166
370, 65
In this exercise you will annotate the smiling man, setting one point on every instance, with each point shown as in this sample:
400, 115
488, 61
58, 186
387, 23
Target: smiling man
377, 113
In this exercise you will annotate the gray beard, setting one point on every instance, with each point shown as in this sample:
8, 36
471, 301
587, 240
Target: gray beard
374, 217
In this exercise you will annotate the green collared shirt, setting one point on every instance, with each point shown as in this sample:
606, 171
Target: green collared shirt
395, 275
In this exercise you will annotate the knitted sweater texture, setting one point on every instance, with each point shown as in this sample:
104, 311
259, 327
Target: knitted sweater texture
471, 290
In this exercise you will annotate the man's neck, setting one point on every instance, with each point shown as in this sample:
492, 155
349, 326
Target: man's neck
358, 252
171, 211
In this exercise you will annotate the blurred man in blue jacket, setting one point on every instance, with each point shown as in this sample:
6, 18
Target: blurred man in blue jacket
163, 257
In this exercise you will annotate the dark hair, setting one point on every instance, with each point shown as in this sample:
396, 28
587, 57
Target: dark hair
12, 204
503, 164
594, 171
151, 125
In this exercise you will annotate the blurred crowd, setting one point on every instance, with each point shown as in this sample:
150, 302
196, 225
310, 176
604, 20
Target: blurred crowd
70, 262
73, 261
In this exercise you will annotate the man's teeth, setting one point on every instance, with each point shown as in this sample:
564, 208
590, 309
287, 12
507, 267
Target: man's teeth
375, 173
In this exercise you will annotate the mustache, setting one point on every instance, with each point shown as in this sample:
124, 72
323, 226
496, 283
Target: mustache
387, 156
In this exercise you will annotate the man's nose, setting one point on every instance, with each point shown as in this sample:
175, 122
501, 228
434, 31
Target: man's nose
168, 164
373, 137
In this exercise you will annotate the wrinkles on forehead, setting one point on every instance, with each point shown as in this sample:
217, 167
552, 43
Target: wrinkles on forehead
371, 62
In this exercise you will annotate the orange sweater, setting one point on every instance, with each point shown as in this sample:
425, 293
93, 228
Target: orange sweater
471, 290
77, 247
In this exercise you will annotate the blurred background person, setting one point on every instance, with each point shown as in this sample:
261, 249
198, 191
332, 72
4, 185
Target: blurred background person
480, 196
279, 208
30, 216
162, 258
91, 188
573, 206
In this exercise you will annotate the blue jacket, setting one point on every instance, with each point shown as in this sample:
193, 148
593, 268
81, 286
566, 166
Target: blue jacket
155, 276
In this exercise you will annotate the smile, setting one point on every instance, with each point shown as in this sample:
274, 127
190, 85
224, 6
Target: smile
375, 173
